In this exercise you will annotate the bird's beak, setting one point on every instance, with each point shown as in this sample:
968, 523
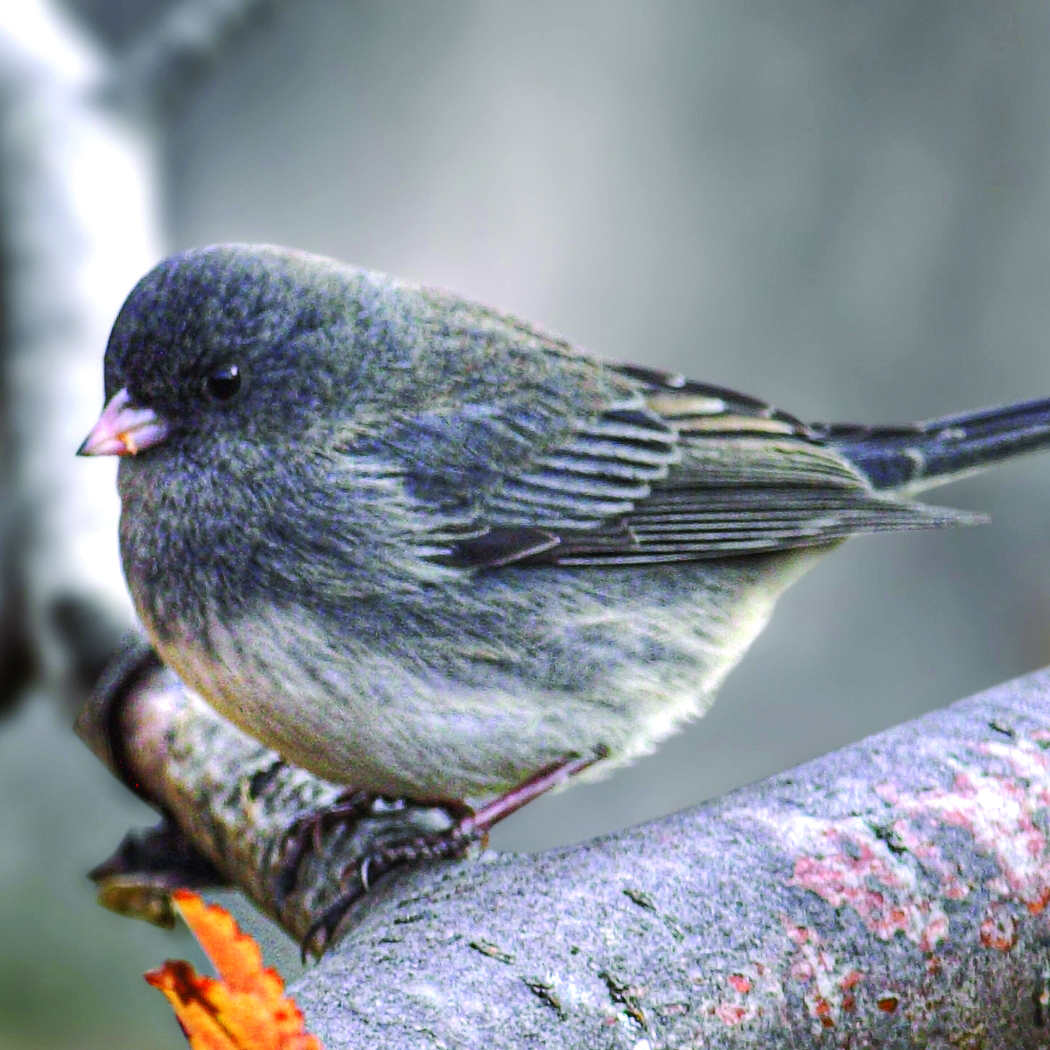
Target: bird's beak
123, 429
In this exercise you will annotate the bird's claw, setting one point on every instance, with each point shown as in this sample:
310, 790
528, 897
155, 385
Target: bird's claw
306, 832
359, 878
467, 828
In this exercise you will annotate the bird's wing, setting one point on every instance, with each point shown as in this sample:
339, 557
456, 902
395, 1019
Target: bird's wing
669, 470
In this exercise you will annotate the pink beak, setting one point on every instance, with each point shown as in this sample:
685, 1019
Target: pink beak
123, 429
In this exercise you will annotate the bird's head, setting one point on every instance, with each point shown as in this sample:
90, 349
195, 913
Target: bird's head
241, 340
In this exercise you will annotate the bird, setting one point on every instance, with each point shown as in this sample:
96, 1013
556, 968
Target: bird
428, 550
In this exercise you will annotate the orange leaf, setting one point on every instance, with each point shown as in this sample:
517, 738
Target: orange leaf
245, 1008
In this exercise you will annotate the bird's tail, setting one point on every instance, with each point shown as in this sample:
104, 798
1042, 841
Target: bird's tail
920, 455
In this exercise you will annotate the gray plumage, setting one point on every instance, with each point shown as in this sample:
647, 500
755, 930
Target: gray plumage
425, 548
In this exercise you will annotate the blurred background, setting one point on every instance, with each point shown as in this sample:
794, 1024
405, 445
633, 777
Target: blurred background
841, 207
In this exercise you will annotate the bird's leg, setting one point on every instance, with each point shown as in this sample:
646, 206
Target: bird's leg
471, 826
486, 818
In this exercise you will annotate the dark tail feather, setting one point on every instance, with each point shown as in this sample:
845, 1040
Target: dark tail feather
922, 455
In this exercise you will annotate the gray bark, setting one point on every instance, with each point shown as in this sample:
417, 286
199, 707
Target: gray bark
890, 894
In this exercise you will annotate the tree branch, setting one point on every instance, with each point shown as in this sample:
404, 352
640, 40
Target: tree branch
891, 893
188, 38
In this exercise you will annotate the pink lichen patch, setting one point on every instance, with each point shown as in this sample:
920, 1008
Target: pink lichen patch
751, 992
998, 811
822, 1010
952, 884
936, 931
829, 992
954, 889
743, 1006
732, 1013
998, 929
846, 864
740, 983
847, 983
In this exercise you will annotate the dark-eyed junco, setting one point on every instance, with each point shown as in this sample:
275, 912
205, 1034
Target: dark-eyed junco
426, 549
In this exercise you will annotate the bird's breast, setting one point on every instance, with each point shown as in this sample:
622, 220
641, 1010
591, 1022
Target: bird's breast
465, 702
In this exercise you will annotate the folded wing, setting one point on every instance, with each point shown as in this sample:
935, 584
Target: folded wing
682, 472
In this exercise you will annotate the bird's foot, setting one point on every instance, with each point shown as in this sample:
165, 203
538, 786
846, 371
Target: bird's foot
308, 830
359, 878
469, 828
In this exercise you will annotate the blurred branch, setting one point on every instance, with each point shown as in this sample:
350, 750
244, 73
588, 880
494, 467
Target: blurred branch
186, 40
80, 224
891, 893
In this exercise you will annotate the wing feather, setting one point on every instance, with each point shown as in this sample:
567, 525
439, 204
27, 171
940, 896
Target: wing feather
691, 472
589, 464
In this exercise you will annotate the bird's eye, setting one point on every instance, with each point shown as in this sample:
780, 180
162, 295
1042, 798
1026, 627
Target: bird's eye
223, 382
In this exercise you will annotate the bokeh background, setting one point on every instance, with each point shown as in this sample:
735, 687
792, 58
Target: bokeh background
840, 206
